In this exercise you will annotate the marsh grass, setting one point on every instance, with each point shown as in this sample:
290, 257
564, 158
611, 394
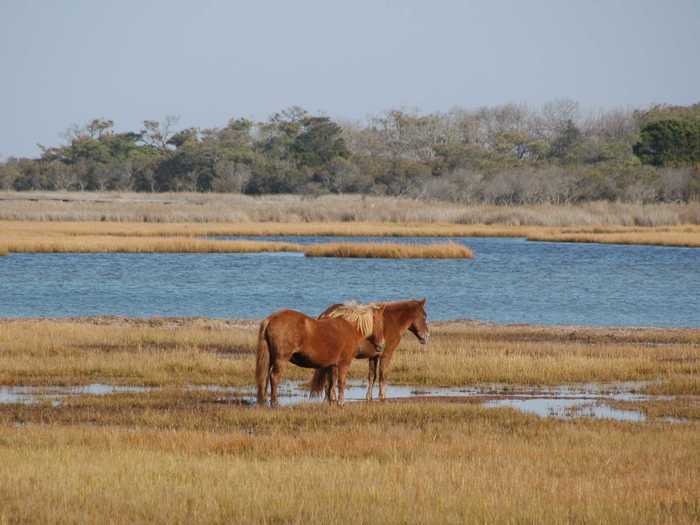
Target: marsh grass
236, 208
39, 237
22, 229
184, 460
201, 351
681, 408
682, 236
179, 455
32, 236
106, 244
449, 250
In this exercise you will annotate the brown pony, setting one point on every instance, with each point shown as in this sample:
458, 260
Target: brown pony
310, 343
398, 317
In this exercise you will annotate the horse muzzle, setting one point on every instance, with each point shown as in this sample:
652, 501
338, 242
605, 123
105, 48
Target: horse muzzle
423, 338
380, 348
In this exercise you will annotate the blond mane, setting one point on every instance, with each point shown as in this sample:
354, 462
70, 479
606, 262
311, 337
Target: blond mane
362, 315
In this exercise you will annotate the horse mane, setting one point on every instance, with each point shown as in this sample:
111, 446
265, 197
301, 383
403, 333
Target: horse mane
362, 315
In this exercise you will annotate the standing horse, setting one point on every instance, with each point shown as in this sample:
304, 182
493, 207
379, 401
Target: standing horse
311, 343
399, 317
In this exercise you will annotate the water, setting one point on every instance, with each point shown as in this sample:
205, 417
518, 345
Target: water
562, 402
510, 281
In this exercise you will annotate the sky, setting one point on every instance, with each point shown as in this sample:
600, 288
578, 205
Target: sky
64, 62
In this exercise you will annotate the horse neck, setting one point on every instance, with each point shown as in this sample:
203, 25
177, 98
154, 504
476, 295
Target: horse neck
399, 317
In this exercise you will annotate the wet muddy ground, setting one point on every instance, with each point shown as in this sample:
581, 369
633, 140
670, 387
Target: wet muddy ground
596, 400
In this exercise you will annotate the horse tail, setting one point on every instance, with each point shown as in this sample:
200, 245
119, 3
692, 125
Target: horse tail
318, 381
262, 362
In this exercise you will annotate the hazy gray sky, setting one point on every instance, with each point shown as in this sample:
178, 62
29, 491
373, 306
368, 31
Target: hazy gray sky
64, 62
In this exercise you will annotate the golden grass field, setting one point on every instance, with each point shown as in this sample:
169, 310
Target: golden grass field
176, 455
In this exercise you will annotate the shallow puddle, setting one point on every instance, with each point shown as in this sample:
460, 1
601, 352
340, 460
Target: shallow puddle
38, 394
564, 401
567, 408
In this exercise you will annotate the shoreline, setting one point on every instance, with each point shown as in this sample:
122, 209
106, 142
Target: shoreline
182, 321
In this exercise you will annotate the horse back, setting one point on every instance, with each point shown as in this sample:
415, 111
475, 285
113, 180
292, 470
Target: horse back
316, 342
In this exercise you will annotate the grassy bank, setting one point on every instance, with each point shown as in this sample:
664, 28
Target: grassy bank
192, 351
186, 459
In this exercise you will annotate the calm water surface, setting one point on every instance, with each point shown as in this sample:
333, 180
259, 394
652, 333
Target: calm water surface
510, 281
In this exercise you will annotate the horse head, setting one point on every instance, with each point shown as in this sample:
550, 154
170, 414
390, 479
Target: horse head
419, 325
377, 337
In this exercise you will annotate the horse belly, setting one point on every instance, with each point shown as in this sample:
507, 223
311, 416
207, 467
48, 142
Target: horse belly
303, 361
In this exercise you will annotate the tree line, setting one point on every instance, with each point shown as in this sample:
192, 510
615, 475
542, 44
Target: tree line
505, 154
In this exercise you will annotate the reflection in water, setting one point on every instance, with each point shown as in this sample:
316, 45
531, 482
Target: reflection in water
565, 401
564, 408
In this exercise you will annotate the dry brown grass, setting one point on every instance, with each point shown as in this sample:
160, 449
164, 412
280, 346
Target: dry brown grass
198, 207
179, 352
449, 250
187, 460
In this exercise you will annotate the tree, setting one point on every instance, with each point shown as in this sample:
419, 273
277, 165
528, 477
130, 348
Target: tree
564, 145
669, 143
157, 134
319, 142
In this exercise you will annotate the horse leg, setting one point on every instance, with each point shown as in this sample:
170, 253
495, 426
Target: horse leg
383, 373
342, 377
331, 384
371, 376
275, 377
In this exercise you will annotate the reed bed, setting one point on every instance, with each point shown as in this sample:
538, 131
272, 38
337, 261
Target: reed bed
169, 352
198, 207
186, 459
449, 250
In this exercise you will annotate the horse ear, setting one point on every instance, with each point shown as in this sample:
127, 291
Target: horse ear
422, 301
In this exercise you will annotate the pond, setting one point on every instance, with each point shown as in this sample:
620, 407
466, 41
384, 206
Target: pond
509, 281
